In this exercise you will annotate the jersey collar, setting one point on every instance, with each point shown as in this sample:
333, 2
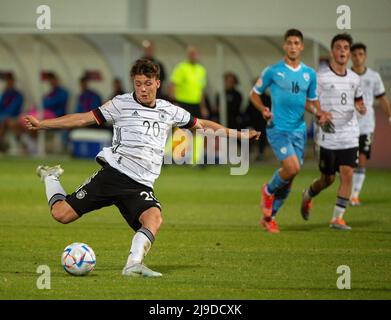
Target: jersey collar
144, 105
293, 69
360, 74
339, 75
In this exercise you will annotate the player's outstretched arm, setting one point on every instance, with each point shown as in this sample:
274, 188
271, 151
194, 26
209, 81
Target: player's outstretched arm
75, 120
218, 128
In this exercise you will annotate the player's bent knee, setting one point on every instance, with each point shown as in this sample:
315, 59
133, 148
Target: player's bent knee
152, 218
157, 216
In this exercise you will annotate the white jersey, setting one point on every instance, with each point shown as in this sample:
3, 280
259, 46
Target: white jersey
338, 95
140, 135
372, 87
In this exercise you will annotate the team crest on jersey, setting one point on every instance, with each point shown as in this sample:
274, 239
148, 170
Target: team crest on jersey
162, 116
306, 76
81, 194
283, 150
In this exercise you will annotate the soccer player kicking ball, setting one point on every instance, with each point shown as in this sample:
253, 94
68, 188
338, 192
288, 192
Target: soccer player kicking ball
339, 93
373, 88
130, 167
291, 84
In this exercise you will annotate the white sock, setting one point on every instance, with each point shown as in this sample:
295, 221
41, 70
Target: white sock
338, 212
141, 243
54, 190
358, 181
340, 207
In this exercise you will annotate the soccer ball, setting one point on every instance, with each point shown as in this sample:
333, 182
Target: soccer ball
78, 259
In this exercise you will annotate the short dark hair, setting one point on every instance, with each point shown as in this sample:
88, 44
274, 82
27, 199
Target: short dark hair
147, 68
233, 75
293, 33
359, 45
84, 78
342, 36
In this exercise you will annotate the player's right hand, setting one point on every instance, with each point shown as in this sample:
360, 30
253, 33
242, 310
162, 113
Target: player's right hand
31, 122
267, 115
325, 122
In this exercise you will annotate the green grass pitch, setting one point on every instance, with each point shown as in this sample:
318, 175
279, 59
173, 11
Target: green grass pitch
210, 245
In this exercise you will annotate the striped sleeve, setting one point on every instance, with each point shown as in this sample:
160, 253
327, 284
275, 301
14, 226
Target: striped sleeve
109, 112
183, 118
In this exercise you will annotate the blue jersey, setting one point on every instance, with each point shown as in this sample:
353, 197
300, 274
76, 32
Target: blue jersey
11, 103
289, 88
56, 101
88, 101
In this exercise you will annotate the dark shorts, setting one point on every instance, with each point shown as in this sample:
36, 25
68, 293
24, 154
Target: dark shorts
110, 187
365, 144
331, 160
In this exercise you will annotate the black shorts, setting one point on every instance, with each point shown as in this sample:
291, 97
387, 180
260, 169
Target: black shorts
365, 144
110, 187
331, 160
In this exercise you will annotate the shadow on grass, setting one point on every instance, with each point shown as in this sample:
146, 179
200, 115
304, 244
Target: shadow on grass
325, 226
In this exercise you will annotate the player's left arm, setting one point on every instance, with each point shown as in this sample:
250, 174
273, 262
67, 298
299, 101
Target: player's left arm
385, 103
221, 130
380, 95
69, 121
313, 105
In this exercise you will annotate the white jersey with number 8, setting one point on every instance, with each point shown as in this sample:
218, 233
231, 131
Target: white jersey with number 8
338, 95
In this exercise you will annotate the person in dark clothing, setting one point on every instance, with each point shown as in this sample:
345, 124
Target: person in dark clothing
233, 100
11, 103
56, 100
253, 118
88, 99
149, 54
117, 88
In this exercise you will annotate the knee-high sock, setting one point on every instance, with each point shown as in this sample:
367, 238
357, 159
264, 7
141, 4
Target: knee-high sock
141, 243
276, 183
340, 207
54, 190
279, 198
358, 181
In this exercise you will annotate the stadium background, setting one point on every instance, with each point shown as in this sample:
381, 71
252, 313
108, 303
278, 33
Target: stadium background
239, 36
210, 246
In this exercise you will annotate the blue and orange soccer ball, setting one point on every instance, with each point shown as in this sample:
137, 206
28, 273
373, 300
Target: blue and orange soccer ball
78, 259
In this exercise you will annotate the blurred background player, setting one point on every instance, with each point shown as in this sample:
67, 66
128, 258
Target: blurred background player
11, 104
149, 54
340, 93
253, 118
187, 84
117, 88
55, 101
233, 100
54, 105
88, 98
291, 83
373, 88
